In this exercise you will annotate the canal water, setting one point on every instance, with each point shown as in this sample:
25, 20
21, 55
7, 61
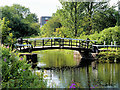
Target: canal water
65, 72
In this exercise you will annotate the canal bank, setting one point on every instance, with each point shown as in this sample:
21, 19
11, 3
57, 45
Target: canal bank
63, 68
109, 56
92, 75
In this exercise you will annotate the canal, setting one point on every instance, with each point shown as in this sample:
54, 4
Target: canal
66, 72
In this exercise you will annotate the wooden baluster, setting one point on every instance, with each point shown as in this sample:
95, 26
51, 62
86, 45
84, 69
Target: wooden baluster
59, 42
76, 43
43, 42
63, 42
20, 48
79, 43
54, 42
71, 43
34, 43
21, 41
82, 43
87, 42
27, 42
51, 42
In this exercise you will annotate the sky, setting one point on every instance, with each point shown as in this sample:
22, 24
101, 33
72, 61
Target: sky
40, 7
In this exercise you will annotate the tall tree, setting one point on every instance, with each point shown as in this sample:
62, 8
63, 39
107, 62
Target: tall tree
82, 17
22, 21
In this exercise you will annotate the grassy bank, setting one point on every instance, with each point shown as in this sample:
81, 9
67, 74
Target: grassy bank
109, 56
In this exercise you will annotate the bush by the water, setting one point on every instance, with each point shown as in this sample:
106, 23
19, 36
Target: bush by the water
17, 73
109, 56
109, 35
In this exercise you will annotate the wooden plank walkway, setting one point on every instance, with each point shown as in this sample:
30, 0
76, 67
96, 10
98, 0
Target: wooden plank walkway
54, 43
37, 48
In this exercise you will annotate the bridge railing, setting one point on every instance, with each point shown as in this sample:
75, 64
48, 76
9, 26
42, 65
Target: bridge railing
56, 41
97, 48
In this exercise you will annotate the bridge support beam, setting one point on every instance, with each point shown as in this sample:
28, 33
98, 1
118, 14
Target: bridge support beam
86, 55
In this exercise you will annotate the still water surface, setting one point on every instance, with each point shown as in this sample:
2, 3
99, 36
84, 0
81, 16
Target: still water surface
92, 75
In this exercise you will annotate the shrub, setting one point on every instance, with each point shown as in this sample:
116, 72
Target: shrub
109, 35
16, 72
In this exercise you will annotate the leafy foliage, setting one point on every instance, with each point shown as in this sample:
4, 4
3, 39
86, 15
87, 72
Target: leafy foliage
81, 18
21, 21
49, 29
108, 35
16, 72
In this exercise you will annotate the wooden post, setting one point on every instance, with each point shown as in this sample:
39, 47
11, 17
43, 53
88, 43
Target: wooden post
21, 41
69, 42
87, 42
104, 42
43, 42
76, 43
34, 43
59, 42
27, 42
82, 43
63, 42
20, 48
111, 43
79, 43
51, 42
54, 42
114, 42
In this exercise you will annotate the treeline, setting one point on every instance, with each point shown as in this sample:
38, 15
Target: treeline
18, 21
82, 19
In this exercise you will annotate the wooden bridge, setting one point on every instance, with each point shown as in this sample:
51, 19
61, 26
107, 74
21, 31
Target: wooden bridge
34, 44
97, 48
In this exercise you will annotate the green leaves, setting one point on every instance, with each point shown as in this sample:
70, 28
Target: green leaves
21, 21
16, 72
108, 35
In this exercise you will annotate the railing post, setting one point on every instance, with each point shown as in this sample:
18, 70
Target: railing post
51, 42
54, 42
87, 42
76, 43
43, 42
71, 43
79, 43
114, 44
59, 42
27, 42
82, 43
111, 43
21, 41
20, 48
63, 42
34, 43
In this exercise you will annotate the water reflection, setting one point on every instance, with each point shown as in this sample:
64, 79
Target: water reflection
87, 75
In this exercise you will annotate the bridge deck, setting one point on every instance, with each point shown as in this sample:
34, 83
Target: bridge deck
54, 43
26, 49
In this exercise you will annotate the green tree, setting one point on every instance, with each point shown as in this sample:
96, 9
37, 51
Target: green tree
21, 21
109, 35
49, 29
4, 29
85, 17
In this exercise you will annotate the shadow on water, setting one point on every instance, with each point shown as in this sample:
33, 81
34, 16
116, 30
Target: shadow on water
82, 63
83, 73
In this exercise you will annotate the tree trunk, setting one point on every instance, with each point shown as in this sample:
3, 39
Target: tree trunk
75, 6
